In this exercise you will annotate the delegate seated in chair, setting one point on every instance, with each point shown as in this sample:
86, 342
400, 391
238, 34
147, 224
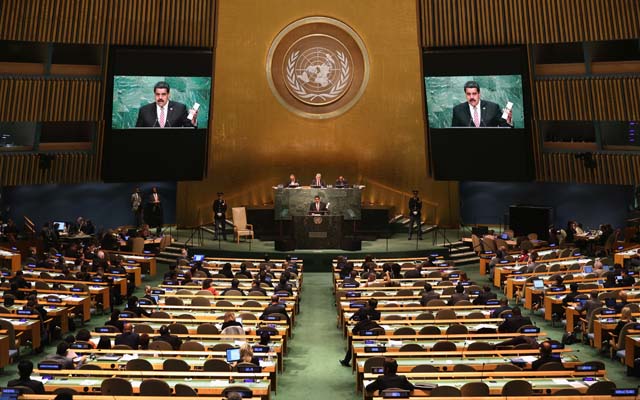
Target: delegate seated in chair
390, 378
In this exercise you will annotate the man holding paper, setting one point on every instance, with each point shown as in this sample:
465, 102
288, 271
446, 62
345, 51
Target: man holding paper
164, 113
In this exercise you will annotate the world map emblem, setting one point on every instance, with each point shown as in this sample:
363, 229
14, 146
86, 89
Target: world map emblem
317, 67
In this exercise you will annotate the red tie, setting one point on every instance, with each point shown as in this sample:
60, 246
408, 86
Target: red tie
162, 119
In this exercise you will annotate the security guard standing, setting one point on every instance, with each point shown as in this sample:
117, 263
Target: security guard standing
415, 214
219, 216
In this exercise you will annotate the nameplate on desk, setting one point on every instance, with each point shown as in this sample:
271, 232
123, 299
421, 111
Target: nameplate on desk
317, 235
260, 349
352, 294
585, 368
96, 280
102, 329
530, 330
557, 289
493, 302
6, 273
157, 291
357, 305
395, 394
249, 368
368, 333
80, 346
375, 349
50, 366
556, 346
504, 261
53, 300
474, 292
377, 370
131, 261
608, 312
272, 318
625, 392
25, 312
454, 276
125, 314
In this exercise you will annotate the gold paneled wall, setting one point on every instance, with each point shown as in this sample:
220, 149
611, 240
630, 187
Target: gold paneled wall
27, 94
256, 142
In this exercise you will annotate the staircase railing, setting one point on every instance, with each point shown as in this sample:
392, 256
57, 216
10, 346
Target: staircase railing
29, 227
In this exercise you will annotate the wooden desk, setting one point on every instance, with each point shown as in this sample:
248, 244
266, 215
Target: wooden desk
11, 259
29, 324
148, 263
208, 383
4, 351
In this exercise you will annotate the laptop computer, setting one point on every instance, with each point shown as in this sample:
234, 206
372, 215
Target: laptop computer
198, 257
588, 269
538, 284
233, 354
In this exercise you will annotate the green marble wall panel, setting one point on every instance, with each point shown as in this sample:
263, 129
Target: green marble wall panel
132, 92
445, 92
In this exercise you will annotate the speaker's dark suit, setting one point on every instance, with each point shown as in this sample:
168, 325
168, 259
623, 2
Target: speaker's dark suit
490, 115
176, 116
314, 209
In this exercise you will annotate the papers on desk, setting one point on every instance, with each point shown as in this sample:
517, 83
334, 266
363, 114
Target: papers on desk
395, 343
524, 359
129, 357
573, 384
108, 358
90, 382
487, 326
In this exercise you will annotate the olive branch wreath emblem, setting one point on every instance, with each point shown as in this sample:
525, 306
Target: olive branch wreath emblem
336, 90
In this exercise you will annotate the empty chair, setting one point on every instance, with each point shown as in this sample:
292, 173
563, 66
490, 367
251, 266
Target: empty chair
404, 292
138, 364
122, 347
233, 292
457, 329
232, 330
425, 316
143, 328
436, 303
430, 330
159, 345
221, 347
216, 365
160, 314
463, 303
207, 329
173, 301
373, 362
601, 388
480, 346
463, 368
246, 316
475, 389
552, 366
185, 316
517, 387
184, 390
475, 315
411, 347
446, 314
192, 345
425, 368
224, 303
116, 387
444, 345
200, 301
251, 303
204, 293
175, 364
90, 366
155, 387
184, 292
445, 391
178, 329
405, 330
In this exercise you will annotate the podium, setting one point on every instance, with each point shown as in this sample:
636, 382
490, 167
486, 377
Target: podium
318, 232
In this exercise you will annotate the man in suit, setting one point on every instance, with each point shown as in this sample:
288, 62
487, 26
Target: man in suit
341, 182
154, 210
293, 182
220, 216
390, 378
485, 295
128, 337
428, 294
511, 325
545, 356
136, 206
504, 306
164, 113
318, 207
166, 336
478, 113
458, 295
25, 368
415, 214
592, 303
317, 181
275, 307
414, 273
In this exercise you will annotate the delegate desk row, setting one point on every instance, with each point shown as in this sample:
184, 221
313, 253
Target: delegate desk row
559, 265
545, 382
514, 285
512, 257
275, 346
205, 382
181, 360
45, 280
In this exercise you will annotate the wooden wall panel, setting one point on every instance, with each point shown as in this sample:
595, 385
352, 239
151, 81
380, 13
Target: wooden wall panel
20, 169
616, 169
527, 21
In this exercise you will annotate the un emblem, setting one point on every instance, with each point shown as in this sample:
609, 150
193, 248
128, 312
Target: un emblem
317, 67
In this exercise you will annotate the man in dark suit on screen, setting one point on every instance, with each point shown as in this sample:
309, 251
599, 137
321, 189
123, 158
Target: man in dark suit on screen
476, 113
164, 113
